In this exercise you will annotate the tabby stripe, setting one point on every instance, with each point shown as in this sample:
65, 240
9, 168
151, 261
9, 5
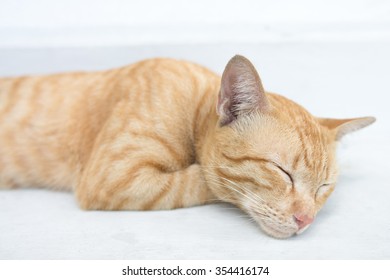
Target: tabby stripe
148, 98
327, 170
244, 158
316, 151
197, 191
12, 95
324, 167
32, 102
179, 195
111, 80
122, 204
160, 195
304, 149
134, 116
135, 90
296, 161
195, 120
239, 179
162, 141
203, 119
126, 180
36, 155
16, 158
123, 154
204, 192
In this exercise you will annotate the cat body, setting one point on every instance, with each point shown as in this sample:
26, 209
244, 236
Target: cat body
165, 134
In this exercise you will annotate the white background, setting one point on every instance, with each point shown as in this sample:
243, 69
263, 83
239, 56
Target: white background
330, 56
117, 22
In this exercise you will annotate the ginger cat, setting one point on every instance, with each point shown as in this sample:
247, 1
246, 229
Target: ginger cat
165, 134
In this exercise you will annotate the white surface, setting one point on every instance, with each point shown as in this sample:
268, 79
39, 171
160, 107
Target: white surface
336, 80
43, 23
77, 13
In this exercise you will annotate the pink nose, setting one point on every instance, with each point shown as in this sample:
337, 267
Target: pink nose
303, 220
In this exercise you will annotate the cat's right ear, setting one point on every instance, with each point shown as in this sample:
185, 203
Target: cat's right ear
341, 127
241, 91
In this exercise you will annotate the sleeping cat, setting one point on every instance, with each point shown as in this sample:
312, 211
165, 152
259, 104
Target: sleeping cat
165, 134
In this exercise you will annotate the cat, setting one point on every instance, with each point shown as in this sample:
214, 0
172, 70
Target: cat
165, 134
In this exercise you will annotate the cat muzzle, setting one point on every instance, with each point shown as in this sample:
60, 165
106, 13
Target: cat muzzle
303, 221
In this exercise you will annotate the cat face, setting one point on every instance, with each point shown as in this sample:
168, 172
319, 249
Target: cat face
274, 160
276, 173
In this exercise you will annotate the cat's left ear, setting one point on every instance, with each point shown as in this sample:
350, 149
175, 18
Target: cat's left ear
342, 127
241, 91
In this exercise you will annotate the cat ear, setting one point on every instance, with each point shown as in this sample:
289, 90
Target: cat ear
345, 126
241, 91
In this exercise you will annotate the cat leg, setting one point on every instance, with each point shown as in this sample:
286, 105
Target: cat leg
137, 169
145, 185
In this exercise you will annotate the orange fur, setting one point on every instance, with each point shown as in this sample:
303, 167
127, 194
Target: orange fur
149, 136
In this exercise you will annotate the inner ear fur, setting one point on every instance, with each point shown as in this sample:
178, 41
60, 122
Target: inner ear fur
241, 91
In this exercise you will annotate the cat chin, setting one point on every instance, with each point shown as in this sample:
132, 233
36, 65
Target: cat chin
276, 233
279, 234
271, 228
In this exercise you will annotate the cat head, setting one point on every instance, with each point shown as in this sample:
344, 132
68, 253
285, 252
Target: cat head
269, 156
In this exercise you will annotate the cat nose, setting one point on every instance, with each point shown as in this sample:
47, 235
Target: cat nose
303, 220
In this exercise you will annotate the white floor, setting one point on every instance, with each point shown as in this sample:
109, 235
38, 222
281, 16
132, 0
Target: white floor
335, 80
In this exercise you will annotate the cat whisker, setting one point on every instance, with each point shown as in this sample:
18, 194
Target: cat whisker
237, 191
259, 208
242, 193
252, 193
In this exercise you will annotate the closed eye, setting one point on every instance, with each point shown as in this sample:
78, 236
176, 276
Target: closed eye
285, 172
322, 189
326, 185
260, 160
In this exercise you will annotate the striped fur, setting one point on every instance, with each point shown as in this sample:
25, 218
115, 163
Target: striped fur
148, 136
